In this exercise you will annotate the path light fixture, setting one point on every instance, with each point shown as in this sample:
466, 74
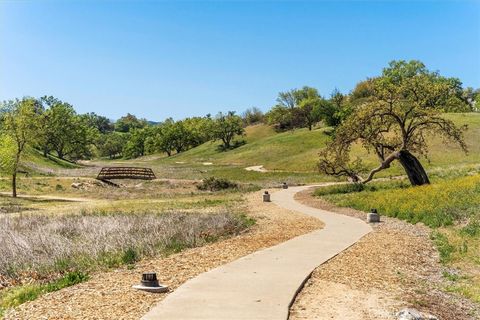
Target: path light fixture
149, 283
266, 196
285, 185
373, 216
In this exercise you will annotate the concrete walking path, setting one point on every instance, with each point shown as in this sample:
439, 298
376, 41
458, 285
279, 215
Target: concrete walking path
262, 285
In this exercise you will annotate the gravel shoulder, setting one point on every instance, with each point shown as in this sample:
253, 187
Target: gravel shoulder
109, 295
393, 267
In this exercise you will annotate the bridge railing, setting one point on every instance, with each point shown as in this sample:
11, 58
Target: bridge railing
109, 173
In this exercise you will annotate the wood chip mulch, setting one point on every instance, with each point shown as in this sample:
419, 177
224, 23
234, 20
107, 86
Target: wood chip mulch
110, 296
397, 264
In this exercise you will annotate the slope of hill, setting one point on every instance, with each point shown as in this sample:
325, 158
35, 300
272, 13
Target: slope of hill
35, 163
296, 151
286, 151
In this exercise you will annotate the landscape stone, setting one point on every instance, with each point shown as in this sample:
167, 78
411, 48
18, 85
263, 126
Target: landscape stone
414, 314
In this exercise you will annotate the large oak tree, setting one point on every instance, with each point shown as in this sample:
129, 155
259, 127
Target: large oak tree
396, 113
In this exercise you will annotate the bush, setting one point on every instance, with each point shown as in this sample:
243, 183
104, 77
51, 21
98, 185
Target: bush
216, 184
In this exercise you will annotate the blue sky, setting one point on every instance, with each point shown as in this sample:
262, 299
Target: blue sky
162, 59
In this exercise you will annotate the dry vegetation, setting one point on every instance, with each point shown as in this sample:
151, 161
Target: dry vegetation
40, 245
113, 289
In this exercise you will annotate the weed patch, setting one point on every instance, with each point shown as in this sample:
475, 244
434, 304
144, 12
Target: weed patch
13, 297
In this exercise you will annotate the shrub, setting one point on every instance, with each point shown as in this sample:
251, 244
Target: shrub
216, 184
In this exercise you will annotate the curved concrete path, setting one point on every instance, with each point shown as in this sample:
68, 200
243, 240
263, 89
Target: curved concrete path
263, 284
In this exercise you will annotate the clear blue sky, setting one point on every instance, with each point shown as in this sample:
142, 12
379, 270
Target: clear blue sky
161, 59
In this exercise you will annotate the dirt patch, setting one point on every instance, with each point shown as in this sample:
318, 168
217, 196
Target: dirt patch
256, 169
110, 296
393, 267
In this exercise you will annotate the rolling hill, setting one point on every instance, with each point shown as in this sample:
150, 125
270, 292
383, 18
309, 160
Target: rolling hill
296, 151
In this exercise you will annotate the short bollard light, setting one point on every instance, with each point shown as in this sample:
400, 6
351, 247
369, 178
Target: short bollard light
266, 196
373, 216
150, 283
285, 185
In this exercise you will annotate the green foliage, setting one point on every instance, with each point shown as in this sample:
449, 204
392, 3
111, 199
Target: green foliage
226, 127
100, 123
216, 184
339, 189
11, 298
63, 131
8, 150
135, 146
397, 110
19, 120
298, 108
444, 248
130, 256
472, 229
358, 187
129, 122
112, 144
252, 116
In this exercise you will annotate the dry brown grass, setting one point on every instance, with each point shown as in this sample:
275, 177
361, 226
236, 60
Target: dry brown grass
39, 245
110, 296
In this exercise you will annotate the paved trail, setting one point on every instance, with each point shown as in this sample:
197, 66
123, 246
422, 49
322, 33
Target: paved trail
263, 284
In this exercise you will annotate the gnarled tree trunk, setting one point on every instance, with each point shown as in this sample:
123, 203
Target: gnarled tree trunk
14, 184
414, 169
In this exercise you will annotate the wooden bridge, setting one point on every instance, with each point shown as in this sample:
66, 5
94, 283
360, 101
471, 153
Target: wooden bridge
109, 173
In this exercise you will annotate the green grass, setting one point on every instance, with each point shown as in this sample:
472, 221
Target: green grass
438, 204
11, 298
292, 156
297, 151
293, 151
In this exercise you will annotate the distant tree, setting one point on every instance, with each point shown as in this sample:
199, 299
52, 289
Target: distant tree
309, 111
165, 139
111, 144
252, 116
226, 127
280, 117
336, 109
401, 108
297, 108
63, 131
101, 123
19, 128
135, 146
471, 97
170, 136
129, 122
199, 130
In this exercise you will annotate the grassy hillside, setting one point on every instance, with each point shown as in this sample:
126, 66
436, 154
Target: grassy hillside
287, 151
35, 163
296, 151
